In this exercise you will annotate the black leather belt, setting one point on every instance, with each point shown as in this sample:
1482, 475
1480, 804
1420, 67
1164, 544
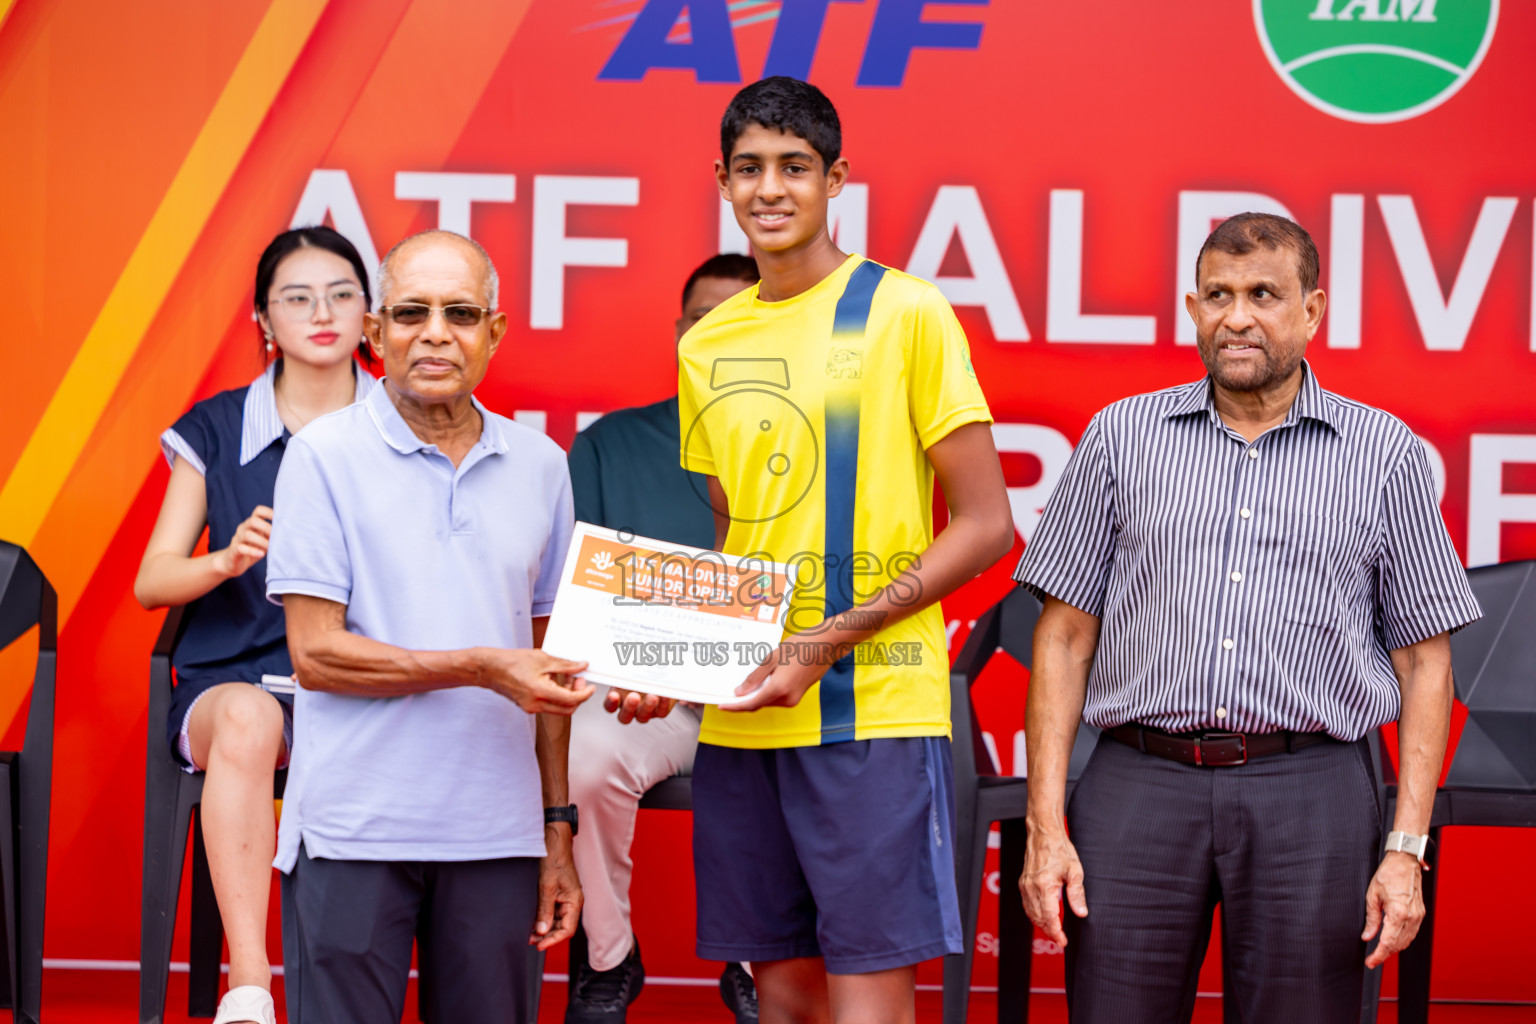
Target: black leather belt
1214, 749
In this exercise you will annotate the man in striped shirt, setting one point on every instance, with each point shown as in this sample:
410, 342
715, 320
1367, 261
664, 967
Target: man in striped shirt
1242, 577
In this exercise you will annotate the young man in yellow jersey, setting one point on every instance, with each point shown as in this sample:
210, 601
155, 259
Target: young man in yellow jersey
821, 405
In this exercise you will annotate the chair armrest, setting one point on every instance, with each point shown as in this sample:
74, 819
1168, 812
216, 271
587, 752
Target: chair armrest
160, 681
670, 794
979, 646
171, 631
1384, 765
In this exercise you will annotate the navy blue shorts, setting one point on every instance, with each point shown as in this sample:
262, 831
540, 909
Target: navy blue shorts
841, 851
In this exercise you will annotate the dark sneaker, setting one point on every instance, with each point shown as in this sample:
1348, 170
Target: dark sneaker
603, 997
739, 993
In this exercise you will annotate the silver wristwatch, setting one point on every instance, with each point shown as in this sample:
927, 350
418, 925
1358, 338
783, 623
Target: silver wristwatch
1405, 842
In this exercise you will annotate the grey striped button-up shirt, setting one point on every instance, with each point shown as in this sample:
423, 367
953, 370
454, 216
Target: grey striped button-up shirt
1245, 586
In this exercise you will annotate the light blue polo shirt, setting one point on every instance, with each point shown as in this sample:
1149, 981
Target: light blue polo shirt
425, 557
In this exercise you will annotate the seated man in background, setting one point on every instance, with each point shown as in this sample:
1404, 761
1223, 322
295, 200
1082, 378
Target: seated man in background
625, 476
416, 548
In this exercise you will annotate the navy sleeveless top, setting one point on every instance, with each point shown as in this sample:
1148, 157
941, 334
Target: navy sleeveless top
237, 440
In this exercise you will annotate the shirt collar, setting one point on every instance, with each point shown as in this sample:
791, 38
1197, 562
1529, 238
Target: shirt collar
1311, 402
1192, 398
398, 434
261, 423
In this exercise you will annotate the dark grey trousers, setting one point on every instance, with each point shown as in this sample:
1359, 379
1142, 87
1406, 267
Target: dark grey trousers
1286, 844
348, 926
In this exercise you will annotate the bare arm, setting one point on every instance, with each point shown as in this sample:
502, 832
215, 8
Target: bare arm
552, 744
329, 658
169, 574
1064, 645
1424, 677
560, 897
979, 532
1394, 903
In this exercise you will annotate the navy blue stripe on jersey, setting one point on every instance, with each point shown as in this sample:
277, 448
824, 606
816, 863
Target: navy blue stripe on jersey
1248, 586
852, 315
841, 419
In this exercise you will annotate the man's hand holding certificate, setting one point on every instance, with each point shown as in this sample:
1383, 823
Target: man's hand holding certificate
659, 618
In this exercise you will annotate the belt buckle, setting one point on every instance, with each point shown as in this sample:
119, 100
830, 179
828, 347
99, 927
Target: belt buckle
1224, 756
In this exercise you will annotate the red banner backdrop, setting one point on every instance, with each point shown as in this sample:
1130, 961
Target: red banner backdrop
1051, 165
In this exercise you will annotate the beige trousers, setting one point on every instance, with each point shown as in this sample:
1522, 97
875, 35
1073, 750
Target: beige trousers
611, 767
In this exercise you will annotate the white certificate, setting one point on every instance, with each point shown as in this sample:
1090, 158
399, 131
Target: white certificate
665, 618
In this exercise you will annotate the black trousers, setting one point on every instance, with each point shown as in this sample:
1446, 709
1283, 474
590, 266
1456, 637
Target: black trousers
1286, 844
348, 926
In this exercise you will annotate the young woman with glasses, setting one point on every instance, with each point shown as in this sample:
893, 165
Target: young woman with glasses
311, 294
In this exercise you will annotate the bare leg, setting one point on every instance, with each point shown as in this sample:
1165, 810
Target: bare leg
237, 738
792, 991
883, 997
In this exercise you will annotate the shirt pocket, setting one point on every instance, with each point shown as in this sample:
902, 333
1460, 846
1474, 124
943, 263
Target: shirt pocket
1325, 558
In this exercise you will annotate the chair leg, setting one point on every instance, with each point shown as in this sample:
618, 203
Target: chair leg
207, 946
1370, 992
1231, 1009
167, 813
425, 997
576, 955
535, 983
1015, 935
32, 802
1413, 963
1370, 997
970, 866
8, 891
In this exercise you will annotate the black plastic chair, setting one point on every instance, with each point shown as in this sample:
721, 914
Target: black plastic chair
983, 797
672, 794
172, 801
1492, 778
26, 777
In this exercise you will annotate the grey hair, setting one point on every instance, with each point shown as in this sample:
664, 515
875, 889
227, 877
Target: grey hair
387, 280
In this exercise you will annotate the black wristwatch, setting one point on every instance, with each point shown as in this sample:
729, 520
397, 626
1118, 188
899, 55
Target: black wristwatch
566, 813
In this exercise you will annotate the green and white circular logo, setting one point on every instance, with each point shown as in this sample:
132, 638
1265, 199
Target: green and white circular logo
1375, 61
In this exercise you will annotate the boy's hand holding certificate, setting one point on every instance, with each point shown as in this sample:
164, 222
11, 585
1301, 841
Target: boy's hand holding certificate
664, 618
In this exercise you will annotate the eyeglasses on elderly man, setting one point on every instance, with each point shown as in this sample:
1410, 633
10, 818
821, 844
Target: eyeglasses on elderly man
414, 314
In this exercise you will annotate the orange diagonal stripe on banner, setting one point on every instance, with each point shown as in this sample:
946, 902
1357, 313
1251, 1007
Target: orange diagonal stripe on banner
108, 348
435, 97
90, 506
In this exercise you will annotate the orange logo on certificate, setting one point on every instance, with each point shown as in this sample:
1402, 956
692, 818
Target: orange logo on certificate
705, 582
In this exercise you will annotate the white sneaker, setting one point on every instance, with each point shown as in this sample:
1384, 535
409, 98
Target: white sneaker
248, 1004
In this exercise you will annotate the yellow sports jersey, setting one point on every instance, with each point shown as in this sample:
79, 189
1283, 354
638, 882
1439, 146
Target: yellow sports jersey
815, 413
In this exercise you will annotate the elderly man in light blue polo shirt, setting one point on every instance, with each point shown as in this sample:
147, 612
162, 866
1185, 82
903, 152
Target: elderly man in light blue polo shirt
416, 548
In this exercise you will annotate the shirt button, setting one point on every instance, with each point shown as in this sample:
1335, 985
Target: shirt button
1227, 644
1253, 453
1237, 577
1221, 712
1246, 513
